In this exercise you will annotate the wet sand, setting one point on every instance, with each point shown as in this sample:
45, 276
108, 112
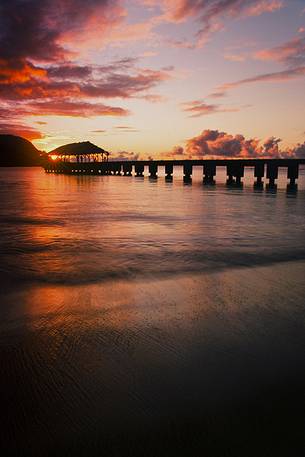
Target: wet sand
158, 368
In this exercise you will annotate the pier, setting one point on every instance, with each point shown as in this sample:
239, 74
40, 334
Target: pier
264, 170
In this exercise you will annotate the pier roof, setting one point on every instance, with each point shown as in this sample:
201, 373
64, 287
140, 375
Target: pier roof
85, 147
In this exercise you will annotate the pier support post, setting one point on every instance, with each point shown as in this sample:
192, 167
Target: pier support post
259, 172
111, 168
169, 168
209, 171
153, 170
118, 169
187, 171
230, 174
292, 175
139, 169
272, 173
239, 173
104, 168
127, 169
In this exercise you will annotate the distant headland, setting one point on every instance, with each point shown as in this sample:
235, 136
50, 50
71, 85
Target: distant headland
16, 151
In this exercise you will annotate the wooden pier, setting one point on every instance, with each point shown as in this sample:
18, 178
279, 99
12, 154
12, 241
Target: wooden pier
262, 169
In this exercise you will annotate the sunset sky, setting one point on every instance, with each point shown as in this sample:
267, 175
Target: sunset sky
155, 77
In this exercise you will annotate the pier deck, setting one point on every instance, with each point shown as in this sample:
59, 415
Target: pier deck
262, 168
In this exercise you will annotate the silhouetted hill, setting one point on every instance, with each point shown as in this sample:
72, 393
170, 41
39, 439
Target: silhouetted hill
18, 152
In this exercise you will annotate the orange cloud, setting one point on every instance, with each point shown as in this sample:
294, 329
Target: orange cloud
20, 129
20, 72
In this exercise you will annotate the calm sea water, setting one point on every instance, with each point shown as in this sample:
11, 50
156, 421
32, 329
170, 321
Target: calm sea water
152, 318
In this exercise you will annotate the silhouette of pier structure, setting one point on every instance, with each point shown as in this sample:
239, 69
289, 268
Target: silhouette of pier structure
262, 169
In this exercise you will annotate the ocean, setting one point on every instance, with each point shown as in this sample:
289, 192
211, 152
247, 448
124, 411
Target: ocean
141, 317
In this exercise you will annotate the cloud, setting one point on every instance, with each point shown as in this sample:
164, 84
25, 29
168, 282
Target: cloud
69, 71
198, 108
74, 109
263, 6
11, 125
208, 10
214, 143
125, 129
279, 76
176, 153
291, 53
39, 44
125, 85
299, 151
271, 146
235, 57
124, 156
217, 144
48, 27
211, 14
19, 129
102, 84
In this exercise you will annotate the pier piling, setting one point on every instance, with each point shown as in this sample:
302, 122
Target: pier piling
230, 174
209, 171
153, 169
127, 169
293, 174
169, 168
139, 169
259, 173
272, 173
187, 171
239, 171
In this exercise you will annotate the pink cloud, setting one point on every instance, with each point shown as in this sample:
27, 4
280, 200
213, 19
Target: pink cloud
235, 57
264, 6
197, 108
211, 14
74, 109
291, 53
217, 144
280, 76
124, 156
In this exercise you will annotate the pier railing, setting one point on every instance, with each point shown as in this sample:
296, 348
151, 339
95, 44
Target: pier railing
262, 168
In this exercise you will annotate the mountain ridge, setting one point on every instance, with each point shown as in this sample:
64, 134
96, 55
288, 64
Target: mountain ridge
16, 151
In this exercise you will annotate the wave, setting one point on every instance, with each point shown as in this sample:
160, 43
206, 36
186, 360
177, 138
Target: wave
137, 266
24, 220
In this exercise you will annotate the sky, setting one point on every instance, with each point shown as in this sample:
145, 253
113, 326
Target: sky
156, 78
